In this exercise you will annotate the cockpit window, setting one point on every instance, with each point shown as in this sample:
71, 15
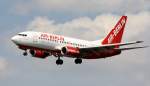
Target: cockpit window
22, 34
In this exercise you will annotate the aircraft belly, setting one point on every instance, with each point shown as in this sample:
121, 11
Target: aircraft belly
98, 55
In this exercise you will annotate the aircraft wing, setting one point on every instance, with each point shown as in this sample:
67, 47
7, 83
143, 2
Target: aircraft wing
110, 46
131, 48
120, 44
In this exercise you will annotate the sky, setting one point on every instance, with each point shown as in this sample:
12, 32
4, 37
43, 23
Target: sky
85, 19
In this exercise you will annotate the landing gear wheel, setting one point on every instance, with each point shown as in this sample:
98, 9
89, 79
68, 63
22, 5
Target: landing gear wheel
78, 61
59, 62
25, 53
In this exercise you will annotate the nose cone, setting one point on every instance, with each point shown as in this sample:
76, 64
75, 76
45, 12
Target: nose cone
14, 39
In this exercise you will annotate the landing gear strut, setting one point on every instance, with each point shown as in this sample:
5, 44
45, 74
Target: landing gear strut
78, 61
59, 61
25, 53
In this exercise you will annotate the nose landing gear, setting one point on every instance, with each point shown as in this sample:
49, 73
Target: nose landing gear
25, 53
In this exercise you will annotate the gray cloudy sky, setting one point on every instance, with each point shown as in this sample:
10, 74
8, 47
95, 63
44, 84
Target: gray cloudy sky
86, 19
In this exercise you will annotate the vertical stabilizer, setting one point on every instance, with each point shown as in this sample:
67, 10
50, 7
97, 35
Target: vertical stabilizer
115, 36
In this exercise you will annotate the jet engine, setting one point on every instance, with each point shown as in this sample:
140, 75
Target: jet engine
39, 53
70, 51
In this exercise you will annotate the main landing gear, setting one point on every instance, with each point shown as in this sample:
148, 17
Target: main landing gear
78, 61
59, 61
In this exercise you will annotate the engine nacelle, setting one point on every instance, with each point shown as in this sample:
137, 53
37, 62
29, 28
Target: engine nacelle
39, 53
70, 51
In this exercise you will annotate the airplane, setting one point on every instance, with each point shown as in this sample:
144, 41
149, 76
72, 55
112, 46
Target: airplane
42, 45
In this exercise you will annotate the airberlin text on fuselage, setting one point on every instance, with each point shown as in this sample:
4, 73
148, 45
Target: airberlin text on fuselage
116, 30
51, 37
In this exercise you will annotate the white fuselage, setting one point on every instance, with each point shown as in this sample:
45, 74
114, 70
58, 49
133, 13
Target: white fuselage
49, 41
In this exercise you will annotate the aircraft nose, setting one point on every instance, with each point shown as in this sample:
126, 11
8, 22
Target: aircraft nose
14, 39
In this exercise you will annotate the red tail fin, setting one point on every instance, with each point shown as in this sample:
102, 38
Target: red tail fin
115, 35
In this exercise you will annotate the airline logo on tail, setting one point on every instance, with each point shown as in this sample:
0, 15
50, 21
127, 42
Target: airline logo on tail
115, 35
116, 31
